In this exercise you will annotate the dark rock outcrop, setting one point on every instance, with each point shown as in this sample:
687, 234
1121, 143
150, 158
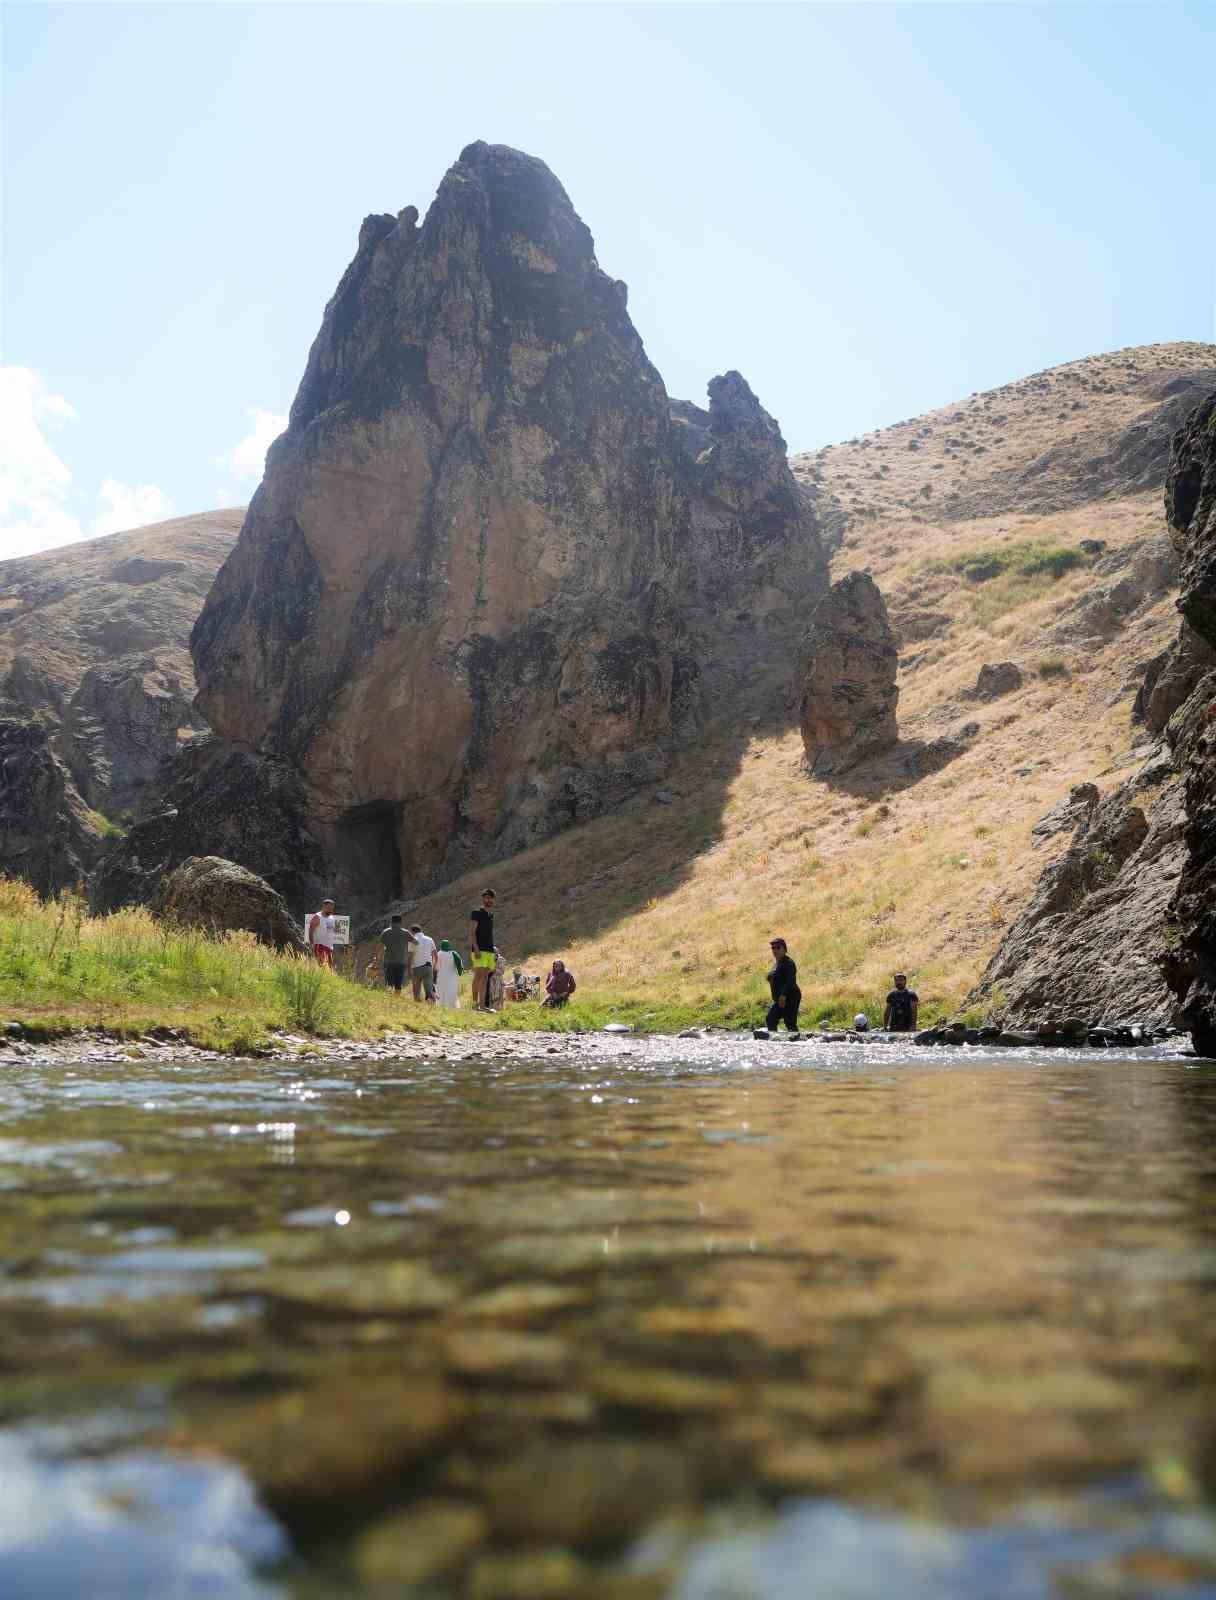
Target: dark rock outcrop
1089, 941
216, 895
1189, 962
1171, 677
481, 589
846, 677
47, 835
227, 803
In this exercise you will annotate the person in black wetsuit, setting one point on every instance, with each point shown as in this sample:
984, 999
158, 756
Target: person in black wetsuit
902, 1006
783, 986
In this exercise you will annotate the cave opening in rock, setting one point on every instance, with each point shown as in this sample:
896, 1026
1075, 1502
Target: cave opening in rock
368, 852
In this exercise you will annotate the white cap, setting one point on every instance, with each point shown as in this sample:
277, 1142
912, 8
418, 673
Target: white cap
861, 1021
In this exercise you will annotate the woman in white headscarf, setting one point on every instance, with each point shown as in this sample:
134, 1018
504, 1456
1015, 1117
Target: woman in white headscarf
448, 968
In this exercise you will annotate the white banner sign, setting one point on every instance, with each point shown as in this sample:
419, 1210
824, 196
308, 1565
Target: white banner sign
341, 929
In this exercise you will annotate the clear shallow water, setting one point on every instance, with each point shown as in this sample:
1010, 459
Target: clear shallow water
804, 1321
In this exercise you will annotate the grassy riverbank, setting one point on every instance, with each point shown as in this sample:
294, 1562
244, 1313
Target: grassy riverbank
61, 968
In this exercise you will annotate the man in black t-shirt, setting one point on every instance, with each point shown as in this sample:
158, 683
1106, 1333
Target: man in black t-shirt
481, 949
902, 1004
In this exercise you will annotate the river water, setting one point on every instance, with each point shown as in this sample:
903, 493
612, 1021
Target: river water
821, 1323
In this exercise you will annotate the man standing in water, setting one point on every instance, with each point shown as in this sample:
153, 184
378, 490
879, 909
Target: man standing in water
902, 1004
321, 932
783, 986
481, 948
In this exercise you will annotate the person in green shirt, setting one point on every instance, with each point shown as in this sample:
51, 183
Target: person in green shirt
396, 943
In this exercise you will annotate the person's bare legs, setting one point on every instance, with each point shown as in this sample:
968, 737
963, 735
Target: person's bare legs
480, 974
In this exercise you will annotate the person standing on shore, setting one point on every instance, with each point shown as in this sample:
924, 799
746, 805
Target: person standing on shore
783, 987
422, 973
322, 927
481, 948
448, 970
902, 1006
396, 953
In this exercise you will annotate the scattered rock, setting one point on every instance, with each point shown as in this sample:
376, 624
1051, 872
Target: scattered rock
1093, 547
665, 797
995, 679
846, 677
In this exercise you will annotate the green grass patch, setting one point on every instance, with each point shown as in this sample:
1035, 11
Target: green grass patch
1027, 558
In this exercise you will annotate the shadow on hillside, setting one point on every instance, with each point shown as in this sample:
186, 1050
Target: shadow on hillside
591, 877
907, 763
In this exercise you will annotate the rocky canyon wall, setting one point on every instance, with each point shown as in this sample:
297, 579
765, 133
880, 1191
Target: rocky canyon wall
1122, 927
492, 571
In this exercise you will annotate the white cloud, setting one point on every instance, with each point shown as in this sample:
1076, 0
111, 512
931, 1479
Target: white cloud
34, 482
247, 458
125, 505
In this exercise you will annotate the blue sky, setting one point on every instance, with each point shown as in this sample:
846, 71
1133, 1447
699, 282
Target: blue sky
867, 209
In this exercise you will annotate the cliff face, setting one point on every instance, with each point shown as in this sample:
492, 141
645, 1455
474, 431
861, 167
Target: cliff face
478, 590
1122, 926
1190, 957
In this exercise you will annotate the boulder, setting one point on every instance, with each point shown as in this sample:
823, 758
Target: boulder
48, 836
217, 895
995, 679
846, 677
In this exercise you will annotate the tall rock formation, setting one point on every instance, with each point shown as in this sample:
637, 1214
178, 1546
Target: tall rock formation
846, 677
477, 592
1190, 501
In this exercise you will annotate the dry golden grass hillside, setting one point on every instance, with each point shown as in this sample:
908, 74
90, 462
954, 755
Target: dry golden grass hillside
669, 905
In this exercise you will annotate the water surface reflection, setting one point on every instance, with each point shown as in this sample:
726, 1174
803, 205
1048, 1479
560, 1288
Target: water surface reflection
496, 1329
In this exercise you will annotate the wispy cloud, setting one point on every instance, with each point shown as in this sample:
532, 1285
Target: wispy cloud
34, 482
246, 461
125, 505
